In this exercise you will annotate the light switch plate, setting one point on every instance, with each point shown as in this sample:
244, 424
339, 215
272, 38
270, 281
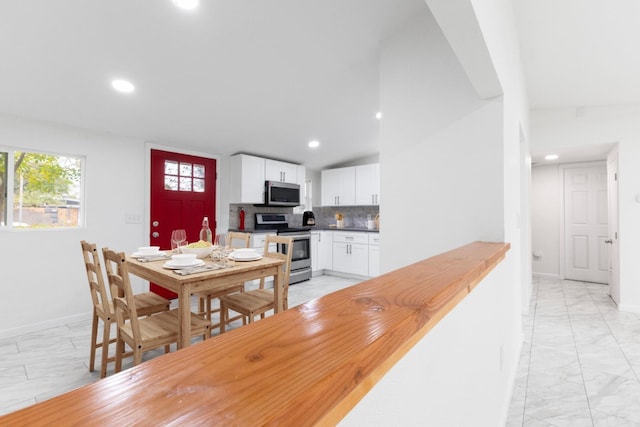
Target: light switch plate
132, 218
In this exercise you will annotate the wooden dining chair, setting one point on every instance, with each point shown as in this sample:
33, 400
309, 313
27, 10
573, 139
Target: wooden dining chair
146, 303
259, 301
102, 308
234, 239
142, 334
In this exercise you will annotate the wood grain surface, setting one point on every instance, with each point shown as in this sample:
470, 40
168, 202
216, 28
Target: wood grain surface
308, 365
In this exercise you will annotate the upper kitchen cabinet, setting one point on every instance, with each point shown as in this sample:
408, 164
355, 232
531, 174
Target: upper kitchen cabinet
368, 184
247, 179
281, 171
350, 186
248, 174
338, 187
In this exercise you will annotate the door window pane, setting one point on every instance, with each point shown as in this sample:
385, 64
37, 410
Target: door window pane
185, 183
171, 183
198, 171
185, 169
198, 185
184, 176
170, 168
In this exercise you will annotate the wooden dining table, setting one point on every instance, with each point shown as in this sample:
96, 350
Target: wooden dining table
209, 280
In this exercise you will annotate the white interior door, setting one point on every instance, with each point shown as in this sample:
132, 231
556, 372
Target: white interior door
586, 224
614, 268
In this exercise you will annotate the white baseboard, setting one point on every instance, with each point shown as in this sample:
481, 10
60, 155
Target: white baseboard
629, 308
345, 275
546, 275
36, 327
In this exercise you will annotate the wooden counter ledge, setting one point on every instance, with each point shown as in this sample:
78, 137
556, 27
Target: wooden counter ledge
309, 365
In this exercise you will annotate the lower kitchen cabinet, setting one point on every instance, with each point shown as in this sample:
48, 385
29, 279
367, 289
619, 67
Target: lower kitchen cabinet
352, 258
321, 250
374, 254
325, 250
315, 237
356, 253
351, 253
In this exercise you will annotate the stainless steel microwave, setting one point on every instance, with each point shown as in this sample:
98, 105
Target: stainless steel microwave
281, 194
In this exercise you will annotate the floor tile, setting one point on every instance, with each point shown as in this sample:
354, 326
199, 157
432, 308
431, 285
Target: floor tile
40, 365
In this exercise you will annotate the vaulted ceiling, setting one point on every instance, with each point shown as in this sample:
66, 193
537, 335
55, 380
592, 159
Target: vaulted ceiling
266, 77
256, 76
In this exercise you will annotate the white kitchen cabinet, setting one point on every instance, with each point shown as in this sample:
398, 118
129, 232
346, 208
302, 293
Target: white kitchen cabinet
248, 174
374, 254
321, 250
325, 250
338, 187
367, 179
281, 171
315, 237
351, 253
258, 240
246, 179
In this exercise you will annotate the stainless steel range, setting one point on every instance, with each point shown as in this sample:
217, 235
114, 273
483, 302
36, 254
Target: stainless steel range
301, 248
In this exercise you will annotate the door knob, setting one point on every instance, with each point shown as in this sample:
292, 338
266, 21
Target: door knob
609, 241
155, 234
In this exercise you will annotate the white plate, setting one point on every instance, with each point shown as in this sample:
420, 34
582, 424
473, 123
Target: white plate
173, 266
254, 258
147, 254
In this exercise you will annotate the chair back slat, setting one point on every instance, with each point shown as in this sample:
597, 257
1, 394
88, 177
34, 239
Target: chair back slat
280, 241
123, 301
236, 239
95, 277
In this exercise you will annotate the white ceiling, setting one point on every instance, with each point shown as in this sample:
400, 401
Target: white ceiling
265, 77
579, 53
256, 76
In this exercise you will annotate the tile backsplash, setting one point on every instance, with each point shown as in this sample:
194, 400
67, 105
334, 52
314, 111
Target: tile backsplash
354, 216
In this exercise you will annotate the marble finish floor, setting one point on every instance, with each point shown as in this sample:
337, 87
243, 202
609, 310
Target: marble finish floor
580, 360
37, 366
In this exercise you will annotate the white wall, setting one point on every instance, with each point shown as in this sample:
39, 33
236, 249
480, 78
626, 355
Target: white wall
441, 150
453, 163
439, 383
546, 200
50, 288
43, 277
598, 125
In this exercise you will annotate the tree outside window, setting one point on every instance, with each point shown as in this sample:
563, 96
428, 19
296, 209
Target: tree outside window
45, 190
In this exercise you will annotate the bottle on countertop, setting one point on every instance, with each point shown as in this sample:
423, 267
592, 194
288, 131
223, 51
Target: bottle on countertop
205, 231
241, 222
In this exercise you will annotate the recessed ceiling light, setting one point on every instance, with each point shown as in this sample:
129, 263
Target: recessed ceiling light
379, 115
314, 144
551, 157
123, 86
187, 4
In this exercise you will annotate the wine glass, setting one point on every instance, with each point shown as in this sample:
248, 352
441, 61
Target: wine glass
220, 241
178, 238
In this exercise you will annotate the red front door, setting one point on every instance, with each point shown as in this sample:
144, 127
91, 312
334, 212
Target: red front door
183, 191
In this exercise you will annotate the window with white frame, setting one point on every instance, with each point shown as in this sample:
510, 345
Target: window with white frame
40, 190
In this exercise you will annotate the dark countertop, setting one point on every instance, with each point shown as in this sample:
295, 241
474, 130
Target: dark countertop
360, 229
314, 228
